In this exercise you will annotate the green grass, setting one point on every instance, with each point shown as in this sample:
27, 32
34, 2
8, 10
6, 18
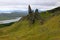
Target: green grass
23, 31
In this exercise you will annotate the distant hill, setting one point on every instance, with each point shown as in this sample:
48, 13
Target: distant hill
12, 15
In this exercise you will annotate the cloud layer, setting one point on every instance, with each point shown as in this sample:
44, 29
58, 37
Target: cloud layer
22, 4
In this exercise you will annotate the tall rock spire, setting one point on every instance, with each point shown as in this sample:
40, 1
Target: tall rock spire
29, 9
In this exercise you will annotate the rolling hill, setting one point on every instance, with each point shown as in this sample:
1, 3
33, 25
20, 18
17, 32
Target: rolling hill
24, 30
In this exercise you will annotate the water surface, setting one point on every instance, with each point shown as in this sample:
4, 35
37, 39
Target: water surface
9, 21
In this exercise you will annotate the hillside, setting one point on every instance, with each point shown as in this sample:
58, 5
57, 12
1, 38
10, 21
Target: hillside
22, 30
55, 9
27, 29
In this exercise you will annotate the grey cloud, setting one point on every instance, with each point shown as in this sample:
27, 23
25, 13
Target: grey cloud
46, 4
32, 2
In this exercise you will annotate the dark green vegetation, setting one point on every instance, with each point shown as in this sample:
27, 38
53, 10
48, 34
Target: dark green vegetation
6, 25
34, 26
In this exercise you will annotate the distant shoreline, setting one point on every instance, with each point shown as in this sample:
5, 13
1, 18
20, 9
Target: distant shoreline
9, 21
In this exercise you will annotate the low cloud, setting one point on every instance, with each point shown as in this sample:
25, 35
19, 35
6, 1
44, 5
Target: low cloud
20, 4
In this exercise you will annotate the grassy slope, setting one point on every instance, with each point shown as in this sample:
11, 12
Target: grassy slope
23, 31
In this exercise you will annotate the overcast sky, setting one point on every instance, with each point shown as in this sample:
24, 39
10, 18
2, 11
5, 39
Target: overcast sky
23, 4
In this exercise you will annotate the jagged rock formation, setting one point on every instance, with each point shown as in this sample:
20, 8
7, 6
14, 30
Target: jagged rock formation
30, 15
37, 14
33, 16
